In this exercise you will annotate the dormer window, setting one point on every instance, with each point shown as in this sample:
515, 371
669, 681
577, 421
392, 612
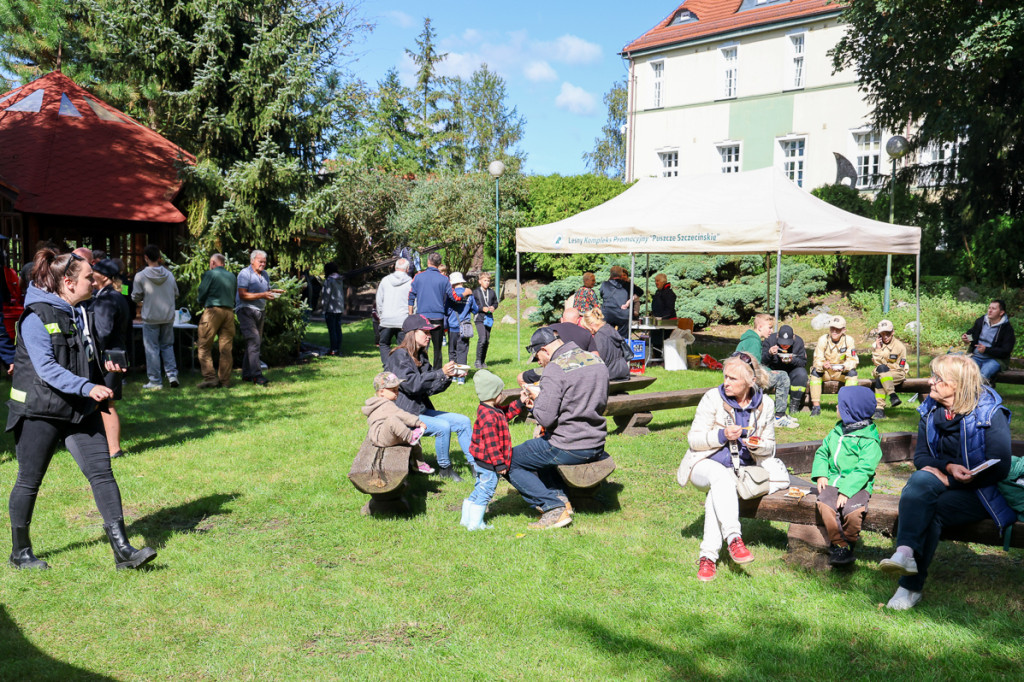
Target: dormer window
683, 16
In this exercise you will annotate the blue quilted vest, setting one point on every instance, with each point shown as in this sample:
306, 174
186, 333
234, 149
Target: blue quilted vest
972, 440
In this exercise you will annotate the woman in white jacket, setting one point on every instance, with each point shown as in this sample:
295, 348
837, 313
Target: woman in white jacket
734, 426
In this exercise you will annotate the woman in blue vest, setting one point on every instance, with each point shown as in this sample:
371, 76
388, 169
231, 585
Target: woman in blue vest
53, 400
963, 424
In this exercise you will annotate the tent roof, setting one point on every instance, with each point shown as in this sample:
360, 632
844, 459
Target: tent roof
66, 152
753, 212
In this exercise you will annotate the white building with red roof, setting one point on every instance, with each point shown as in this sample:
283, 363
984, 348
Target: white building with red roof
736, 85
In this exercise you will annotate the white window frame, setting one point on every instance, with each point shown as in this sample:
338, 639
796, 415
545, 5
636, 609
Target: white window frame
729, 57
794, 167
796, 62
669, 160
938, 155
729, 162
866, 153
658, 84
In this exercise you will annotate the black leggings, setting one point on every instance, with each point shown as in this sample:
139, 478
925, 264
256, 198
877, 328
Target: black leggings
35, 441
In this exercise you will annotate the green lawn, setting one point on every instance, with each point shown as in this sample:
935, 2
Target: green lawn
267, 571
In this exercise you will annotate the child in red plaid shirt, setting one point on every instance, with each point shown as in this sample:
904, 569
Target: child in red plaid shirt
491, 447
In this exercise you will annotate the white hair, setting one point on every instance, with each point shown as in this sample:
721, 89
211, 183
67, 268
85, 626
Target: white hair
402, 265
256, 254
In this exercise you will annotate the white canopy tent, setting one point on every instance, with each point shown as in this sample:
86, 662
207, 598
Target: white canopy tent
759, 211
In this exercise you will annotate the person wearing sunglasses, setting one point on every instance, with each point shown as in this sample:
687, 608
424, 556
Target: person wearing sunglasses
964, 425
54, 401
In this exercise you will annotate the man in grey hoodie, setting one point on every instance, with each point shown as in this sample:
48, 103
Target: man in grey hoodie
393, 306
156, 289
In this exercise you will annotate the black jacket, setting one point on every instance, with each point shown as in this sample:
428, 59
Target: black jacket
485, 298
773, 362
663, 303
1002, 345
110, 319
418, 383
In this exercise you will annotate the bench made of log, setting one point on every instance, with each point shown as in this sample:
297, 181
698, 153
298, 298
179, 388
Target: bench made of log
1010, 376
582, 481
633, 383
381, 473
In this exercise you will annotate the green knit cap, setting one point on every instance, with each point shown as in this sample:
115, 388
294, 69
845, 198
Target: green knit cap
488, 385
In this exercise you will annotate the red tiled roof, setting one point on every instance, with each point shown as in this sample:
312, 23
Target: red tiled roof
720, 16
100, 164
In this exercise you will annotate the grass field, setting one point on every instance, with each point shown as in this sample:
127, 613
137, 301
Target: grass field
266, 570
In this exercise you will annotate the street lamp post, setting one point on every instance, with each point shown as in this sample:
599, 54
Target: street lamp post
496, 169
897, 147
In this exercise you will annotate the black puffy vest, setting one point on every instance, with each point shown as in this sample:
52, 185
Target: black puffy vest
33, 397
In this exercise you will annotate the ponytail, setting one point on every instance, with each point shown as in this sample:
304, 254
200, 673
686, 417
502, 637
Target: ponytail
50, 267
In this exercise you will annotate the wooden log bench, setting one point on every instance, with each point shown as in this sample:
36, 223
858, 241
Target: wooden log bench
622, 387
1010, 376
381, 473
582, 481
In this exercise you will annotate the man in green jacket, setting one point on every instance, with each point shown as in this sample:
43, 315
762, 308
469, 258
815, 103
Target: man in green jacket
751, 343
217, 296
844, 469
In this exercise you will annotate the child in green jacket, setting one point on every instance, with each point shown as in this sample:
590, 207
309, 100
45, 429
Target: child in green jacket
844, 469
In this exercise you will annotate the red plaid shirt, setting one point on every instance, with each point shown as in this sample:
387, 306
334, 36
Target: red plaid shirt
491, 444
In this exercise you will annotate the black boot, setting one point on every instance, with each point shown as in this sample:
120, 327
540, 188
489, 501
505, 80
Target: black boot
795, 404
125, 555
449, 473
21, 552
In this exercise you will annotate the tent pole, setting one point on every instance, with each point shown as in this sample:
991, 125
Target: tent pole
647, 287
778, 285
917, 287
632, 278
519, 315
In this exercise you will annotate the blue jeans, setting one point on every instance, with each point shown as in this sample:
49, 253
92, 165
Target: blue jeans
926, 506
158, 340
441, 425
533, 472
334, 330
486, 484
989, 367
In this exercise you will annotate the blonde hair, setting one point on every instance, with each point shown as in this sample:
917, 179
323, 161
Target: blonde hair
962, 373
751, 371
763, 317
593, 319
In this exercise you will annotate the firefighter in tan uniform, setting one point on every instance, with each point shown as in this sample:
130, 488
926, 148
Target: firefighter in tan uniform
835, 359
889, 356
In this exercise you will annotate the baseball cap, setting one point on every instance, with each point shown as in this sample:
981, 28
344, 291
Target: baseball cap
541, 338
785, 335
386, 380
884, 326
837, 322
414, 322
456, 278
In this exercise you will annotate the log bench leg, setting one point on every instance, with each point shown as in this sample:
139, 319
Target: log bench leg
392, 503
634, 425
808, 547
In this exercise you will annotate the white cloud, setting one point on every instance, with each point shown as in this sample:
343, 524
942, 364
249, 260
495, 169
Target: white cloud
539, 71
471, 35
576, 100
571, 49
401, 18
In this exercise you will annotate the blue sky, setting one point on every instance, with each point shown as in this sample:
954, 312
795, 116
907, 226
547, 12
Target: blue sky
558, 59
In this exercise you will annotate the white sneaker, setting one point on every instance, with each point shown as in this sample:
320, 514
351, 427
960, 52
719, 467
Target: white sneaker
786, 422
903, 599
899, 564
151, 386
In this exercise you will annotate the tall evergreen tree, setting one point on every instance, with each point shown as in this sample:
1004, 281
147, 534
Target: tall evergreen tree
609, 155
389, 139
426, 58
494, 131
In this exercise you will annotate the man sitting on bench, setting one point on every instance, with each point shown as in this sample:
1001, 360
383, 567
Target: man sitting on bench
835, 359
568, 403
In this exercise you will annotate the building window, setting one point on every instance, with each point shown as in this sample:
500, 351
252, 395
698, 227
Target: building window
793, 159
937, 167
868, 147
730, 156
669, 164
659, 72
730, 71
796, 61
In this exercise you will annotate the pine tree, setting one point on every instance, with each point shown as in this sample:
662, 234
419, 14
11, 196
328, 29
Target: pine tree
494, 131
426, 58
609, 155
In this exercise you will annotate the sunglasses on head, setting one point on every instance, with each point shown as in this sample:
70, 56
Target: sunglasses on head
745, 357
67, 266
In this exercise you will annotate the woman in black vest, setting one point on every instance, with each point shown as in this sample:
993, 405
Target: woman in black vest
53, 400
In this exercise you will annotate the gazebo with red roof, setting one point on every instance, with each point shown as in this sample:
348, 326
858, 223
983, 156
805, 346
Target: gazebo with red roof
79, 172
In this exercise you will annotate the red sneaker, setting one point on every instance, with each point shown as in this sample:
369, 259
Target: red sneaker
739, 552
706, 570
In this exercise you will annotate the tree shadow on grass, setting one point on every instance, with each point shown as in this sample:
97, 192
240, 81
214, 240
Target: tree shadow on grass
156, 528
22, 660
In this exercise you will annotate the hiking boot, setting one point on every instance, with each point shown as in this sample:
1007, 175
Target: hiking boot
894, 400
552, 518
816, 411
568, 505
784, 422
795, 404
208, 383
706, 570
840, 556
899, 564
903, 599
449, 473
879, 414
739, 552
